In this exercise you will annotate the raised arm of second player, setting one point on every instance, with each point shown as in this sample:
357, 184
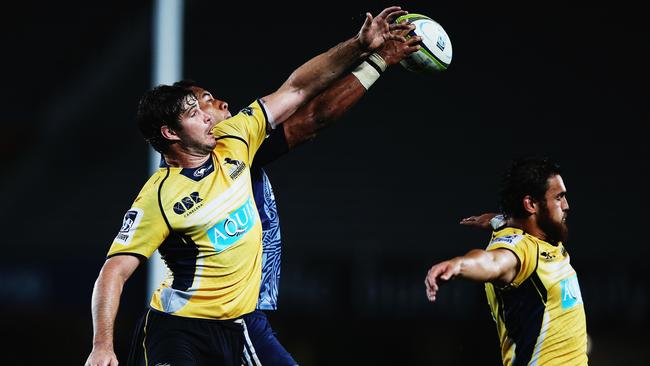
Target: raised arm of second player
319, 72
342, 95
499, 266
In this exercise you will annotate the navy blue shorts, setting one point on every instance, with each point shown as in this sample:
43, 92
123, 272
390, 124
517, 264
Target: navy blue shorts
173, 340
261, 346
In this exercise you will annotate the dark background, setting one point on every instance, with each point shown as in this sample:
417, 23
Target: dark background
368, 206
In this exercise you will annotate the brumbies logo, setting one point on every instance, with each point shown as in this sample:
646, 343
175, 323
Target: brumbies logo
129, 225
235, 167
187, 203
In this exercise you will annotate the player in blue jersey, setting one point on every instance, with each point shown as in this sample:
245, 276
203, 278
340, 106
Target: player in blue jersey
196, 211
264, 348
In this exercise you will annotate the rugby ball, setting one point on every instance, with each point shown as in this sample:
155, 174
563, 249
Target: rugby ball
435, 53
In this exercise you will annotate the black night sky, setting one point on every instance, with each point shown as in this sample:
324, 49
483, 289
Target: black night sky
369, 205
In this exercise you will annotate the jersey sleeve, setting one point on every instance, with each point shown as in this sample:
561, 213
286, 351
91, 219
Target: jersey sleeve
249, 124
143, 227
523, 248
273, 147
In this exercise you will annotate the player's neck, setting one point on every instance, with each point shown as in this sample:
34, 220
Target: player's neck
182, 159
528, 225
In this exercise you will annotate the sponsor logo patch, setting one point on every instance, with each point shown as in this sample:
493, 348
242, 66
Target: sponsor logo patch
129, 225
571, 295
188, 205
226, 232
509, 240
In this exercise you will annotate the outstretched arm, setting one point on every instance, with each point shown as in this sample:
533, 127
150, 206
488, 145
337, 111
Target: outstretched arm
499, 266
329, 105
105, 302
486, 221
340, 97
319, 72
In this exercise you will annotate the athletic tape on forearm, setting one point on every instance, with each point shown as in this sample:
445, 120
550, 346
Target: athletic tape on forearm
369, 71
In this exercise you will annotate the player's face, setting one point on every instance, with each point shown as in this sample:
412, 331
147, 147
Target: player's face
554, 211
196, 126
216, 108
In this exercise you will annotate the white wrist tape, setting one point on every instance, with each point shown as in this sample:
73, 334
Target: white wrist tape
497, 221
378, 61
370, 70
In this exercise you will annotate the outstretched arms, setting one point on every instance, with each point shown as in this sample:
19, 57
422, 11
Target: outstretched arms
339, 98
319, 72
499, 266
328, 106
105, 302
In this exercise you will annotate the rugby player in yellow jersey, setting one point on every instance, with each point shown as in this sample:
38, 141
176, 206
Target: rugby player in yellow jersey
198, 211
531, 287
262, 346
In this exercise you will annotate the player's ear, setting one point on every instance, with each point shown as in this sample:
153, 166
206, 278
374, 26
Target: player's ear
168, 133
530, 204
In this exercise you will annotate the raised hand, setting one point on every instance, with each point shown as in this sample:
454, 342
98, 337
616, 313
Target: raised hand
376, 31
395, 51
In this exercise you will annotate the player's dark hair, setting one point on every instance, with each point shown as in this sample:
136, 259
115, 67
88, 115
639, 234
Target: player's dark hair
162, 105
525, 176
186, 83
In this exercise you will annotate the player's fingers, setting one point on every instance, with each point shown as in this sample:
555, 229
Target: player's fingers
404, 32
468, 220
432, 286
431, 295
431, 281
391, 13
367, 21
412, 49
401, 28
412, 41
395, 37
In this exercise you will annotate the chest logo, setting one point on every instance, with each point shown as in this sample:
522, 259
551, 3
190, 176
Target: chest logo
187, 203
229, 230
571, 295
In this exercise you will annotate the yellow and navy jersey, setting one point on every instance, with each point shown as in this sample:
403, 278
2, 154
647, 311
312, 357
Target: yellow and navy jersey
540, 316
205, 225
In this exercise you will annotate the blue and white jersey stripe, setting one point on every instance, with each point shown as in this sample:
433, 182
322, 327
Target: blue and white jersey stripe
271, 240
